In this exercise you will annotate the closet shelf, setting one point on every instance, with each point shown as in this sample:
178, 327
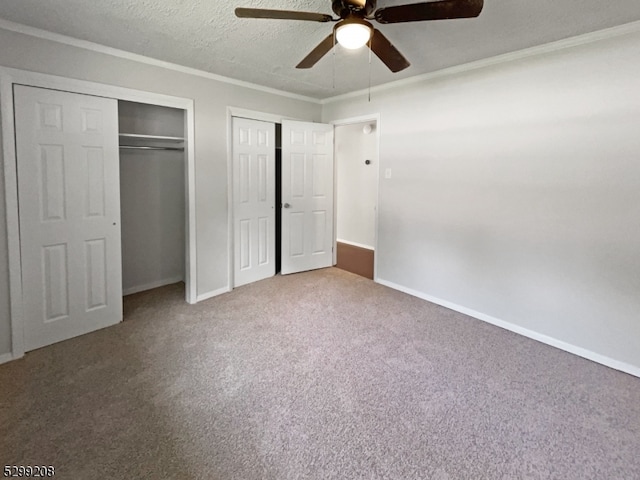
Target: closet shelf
147, 147
155, 138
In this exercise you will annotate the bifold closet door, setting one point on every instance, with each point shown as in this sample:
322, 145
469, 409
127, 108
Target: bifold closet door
253, 200
68, 180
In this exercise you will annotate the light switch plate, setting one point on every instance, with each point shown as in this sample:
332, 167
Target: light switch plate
387, 173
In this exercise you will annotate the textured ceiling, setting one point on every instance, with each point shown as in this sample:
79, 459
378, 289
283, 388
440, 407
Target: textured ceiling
207, 36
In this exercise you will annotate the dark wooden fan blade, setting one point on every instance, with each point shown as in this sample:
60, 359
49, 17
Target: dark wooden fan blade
441, 10
386, 52
282, 15
317, 53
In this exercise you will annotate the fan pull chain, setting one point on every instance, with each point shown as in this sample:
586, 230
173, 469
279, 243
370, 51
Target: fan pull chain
334, 58
370, 40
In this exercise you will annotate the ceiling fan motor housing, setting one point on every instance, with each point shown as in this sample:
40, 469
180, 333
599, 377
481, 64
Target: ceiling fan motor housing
348, 8
353, 19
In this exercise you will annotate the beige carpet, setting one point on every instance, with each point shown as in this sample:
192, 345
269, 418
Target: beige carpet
320, 375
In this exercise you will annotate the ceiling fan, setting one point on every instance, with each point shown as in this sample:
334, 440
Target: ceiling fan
353, 29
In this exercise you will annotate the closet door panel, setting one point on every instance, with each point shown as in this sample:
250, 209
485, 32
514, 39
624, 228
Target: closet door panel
307, 195
68, 181
253, 200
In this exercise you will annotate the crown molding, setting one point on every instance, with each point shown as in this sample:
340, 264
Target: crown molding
114, 52
591, 37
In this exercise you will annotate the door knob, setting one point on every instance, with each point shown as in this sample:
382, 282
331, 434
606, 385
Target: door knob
286, 205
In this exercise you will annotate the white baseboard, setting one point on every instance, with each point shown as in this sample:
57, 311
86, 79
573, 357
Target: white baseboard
554, 342
355, 244
6, 357
149, 286
213, 293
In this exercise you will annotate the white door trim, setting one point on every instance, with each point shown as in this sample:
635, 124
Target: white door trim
9, 77
373, 117
251, 115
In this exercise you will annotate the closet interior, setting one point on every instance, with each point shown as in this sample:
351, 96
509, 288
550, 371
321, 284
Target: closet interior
278, 180
152, 195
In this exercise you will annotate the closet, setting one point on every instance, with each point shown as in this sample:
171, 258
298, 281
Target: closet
152, 195
101, 207
282, 197
278, 181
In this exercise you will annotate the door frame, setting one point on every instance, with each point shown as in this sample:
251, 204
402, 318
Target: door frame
250, 115
11, 76
373, 117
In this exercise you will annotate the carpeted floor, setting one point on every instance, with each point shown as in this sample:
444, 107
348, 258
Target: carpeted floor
320, 375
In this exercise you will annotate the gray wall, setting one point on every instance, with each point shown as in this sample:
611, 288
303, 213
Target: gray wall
211, 100
515, 192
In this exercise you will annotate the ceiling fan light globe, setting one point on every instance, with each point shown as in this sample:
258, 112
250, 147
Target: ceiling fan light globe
353, 35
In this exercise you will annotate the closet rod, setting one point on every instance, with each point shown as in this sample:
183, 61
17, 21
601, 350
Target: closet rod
141, 147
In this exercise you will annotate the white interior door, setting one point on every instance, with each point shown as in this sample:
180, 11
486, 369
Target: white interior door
68, 181
253, 200
307, 196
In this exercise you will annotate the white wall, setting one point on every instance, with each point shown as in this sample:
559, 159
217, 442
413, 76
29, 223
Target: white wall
211, 100
515, 193
357, 184
152, 199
